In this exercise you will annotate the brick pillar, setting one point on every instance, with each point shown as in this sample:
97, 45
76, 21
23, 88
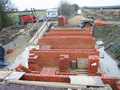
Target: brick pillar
64, 64
93, 62
61, 21
33, 62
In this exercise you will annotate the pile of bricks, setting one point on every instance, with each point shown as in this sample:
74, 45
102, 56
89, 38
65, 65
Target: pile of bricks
62, 20
33, 63
21, 68
64, 63
48, 71
93, 63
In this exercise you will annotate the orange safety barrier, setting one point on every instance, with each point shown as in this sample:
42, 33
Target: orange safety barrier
99, 22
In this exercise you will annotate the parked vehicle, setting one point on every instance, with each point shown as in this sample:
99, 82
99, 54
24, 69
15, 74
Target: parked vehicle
28, 17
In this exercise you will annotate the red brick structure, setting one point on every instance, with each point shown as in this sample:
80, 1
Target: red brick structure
93, 63
69, 29
33, 63
64, 64
68, 42
57, 49
67, 33
51, 57
62, 20
46, 78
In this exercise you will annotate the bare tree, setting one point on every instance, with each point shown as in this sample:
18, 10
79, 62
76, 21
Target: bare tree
65, 8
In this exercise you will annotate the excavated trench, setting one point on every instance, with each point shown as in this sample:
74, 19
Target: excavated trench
110, 35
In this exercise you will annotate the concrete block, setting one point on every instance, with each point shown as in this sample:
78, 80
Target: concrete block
82, 63
73, 64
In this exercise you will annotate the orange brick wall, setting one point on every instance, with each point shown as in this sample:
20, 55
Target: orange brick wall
46, 78
33, 63
62, 20
68, 29
51, 57
112, 81
93, 63
72, 33
68, 42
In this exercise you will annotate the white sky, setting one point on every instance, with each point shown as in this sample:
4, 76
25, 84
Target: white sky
44, 4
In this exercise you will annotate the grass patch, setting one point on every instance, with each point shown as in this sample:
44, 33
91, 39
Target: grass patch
15, 18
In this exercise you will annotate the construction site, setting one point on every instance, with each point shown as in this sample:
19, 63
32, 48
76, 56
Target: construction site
81, 53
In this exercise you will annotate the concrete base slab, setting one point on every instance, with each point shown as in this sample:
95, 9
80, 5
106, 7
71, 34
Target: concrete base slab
4, 74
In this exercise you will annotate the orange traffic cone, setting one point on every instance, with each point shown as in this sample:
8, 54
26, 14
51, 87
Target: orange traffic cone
99, 22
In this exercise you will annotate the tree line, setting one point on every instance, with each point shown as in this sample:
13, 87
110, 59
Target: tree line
5, 8
65, 8
103, 7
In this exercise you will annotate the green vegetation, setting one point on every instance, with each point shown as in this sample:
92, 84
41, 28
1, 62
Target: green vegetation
67, 9
117, 54
15, 18
5, 8
41, 14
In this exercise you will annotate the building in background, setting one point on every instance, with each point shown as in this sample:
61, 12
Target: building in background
52, 14
79, 11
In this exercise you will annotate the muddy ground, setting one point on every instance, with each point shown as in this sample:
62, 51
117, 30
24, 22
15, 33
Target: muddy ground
103, 14
109, 33
8, 34
13, 30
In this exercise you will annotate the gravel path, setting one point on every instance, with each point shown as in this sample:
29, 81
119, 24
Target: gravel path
7, 86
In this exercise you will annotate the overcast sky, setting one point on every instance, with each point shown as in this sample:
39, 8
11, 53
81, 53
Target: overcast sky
44, 4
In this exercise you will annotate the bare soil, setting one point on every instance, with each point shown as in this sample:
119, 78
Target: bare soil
75, 20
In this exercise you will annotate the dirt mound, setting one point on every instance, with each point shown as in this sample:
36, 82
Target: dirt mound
75, 20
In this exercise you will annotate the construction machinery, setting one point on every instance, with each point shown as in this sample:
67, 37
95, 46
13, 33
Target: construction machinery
28, 17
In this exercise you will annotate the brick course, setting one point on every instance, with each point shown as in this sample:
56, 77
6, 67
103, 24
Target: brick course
67, 33
68, 42
51, 57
